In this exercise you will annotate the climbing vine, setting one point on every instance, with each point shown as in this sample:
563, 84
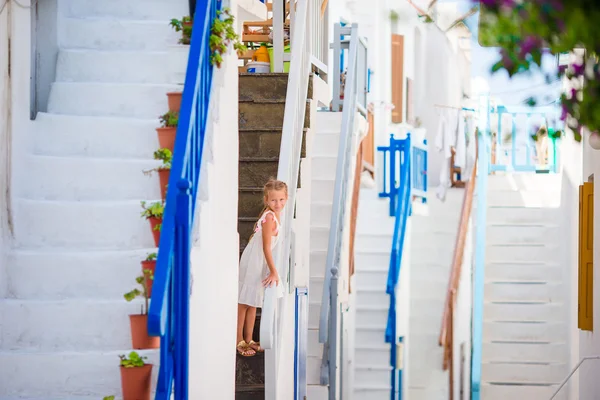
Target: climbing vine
222, 35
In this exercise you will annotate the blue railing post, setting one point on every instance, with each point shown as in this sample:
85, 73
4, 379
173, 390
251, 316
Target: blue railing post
393, 188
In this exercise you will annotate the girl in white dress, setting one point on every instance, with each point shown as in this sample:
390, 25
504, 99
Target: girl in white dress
257, 268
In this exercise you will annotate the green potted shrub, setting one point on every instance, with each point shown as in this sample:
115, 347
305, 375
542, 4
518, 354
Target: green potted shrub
149, 264
166, 156
136, 377
139, 322
168, 129
153, 212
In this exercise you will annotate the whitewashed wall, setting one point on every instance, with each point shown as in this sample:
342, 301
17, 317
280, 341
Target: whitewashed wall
462, 321
4, 146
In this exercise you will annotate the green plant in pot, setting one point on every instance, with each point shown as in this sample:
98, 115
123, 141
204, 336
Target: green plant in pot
136, 377
166, 156
223, 34
168, 129
153, 212
183, 25
149, 264
139, 322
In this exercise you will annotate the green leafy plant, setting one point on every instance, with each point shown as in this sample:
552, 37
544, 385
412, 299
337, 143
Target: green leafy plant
108, 398
164, 155
155, 209
169, 119
223, 34
151, 257
141, 280
134, 361
183, 25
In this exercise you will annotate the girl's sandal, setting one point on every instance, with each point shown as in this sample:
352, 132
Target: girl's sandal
255, 346
245, 350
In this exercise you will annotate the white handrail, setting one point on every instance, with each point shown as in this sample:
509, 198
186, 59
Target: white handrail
272, 318
564, 382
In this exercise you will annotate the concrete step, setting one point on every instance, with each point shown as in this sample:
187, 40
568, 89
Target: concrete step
329, 121
313, 368
271, 87
371, 392
371, 375
315, 349
265, 143
155, 10
369, 354
372, 260
519, 372
106, 137
112, 34
524, 198
109, 100
381, 242
527, 252
428, 393
519, 311
370, 334
319, 239
325, 143
83, 274
112, 66
521, 271
81, 225
372, 297
261, 116
525, 331
519, 390
324, 167
371, 279
524, 182
320, 213
324, 188
521, 215
548, 292
84, 178
317, 263
525, 352
92, 324
64, 375
375, 316
521, 233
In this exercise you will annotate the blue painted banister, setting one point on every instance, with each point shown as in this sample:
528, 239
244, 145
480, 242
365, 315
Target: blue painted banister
168, 316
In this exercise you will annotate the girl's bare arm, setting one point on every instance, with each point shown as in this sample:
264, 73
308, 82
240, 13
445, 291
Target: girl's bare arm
267, 233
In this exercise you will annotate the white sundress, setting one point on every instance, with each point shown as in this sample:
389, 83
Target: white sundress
253, 266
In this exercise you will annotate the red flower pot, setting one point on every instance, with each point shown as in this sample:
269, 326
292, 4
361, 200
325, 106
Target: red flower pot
154, 221
166, 137
139, 333
163, 176
174, 101
136, 382
151, 265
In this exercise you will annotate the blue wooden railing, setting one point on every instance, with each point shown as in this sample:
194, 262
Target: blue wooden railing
399, 172
168, 316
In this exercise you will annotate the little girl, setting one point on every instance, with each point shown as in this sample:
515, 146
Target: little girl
257, 268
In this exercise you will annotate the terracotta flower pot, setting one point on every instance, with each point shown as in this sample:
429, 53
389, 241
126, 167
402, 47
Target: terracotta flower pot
174, 101
154, 221
163, 176
151, 265
139, 333
166, 137
136, 382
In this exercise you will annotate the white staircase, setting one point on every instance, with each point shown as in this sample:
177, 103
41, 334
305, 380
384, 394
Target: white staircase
525, 334
324, 164
79, 238
374, 233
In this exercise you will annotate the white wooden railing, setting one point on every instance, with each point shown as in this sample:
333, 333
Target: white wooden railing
273, 317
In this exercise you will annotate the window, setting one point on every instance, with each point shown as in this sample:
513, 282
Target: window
585, 310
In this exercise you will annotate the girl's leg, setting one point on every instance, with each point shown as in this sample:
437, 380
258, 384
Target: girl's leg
249, 323
242, 310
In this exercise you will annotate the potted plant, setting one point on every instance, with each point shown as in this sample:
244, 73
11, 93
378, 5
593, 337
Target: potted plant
178, 55
139, 322
168, 129
149, 264
166, 156
135, 377
154, 213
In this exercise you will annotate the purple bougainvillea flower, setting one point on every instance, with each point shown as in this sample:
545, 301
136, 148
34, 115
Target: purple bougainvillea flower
562, 69
529, 44
578, 69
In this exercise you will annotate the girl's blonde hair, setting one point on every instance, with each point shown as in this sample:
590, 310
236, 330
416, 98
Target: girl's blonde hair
271, 185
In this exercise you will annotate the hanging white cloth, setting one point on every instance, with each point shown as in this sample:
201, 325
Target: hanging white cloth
445, 139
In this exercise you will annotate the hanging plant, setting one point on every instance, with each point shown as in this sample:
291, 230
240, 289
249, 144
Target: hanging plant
222, 35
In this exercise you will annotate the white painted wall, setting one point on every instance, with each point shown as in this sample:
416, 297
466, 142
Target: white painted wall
462, 322
4, 147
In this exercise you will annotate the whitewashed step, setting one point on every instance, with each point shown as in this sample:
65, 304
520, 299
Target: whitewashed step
324, 167
317, 392
371, 334
518, 311
319, 239
525, 331
111, 34
373, 242
368, 354
112, 66
322, 190
81, 225
328, 121
84, 274
110, 100
524, 198
64, 375
375, 316
316, 289
317, 263
372, 260
524, 182
67, 135
365, 224
326, 144
371, 375
420, 393
524, 291
320, 213
371, 392
525, 352
372, 297
522, 215
314, 314
130, 9
315, 349
530, 252
519, 372
371, 279
82, 178
524, 271
520, 233
313, 370
520, 391
67, 325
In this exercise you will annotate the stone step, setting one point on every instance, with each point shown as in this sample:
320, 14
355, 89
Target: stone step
65, 375
256, 171
155, 10
109, 100
266, 87
101, 137
261, 116
250, 392
92, 324
264, 144
81, 225
83, 178
84, 274
112, 66
115, 35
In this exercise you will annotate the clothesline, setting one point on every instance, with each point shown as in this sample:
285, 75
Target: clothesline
453, 107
